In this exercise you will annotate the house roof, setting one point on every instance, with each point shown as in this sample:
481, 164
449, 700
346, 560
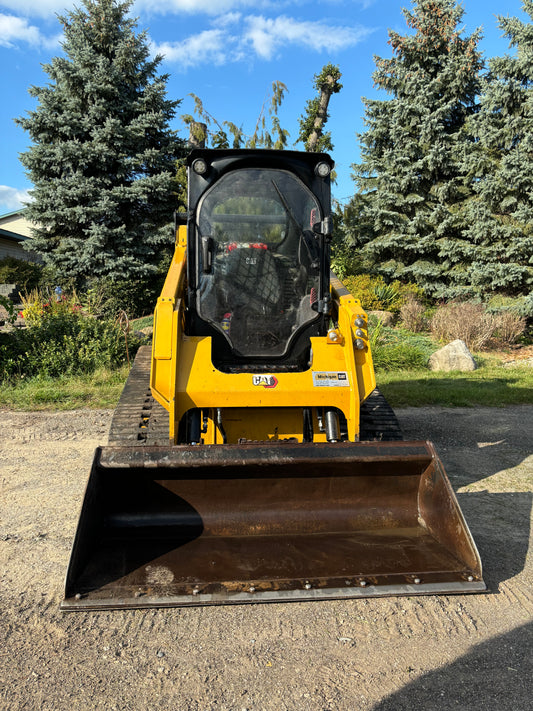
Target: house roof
20, 211
6, 234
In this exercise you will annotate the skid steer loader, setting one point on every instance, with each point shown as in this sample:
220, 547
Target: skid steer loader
250, 458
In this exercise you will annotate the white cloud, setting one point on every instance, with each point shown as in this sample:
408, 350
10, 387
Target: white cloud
209, 7
48, 8
37, 8
11, 198
268, 35
255, 35
210, 46
16, 29
217, 7
230, 18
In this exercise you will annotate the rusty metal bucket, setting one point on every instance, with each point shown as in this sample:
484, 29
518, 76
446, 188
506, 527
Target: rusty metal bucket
259, 523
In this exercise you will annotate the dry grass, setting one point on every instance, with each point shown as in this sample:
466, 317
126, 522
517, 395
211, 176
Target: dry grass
509, 326
476, 326
412, 315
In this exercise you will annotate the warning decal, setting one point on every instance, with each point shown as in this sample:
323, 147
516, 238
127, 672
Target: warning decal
331, 380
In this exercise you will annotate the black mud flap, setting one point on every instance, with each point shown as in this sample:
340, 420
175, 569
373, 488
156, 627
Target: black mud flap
265, 523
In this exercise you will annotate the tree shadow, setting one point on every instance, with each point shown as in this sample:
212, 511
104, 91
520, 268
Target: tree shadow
474, 444
500, 525
495, 674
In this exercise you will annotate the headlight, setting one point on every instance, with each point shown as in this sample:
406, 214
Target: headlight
322, 169
199, 166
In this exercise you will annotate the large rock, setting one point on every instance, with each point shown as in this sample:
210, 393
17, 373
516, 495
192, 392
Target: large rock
10, 291
145, 334
454, 356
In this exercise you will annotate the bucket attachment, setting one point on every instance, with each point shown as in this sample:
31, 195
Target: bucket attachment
221, 524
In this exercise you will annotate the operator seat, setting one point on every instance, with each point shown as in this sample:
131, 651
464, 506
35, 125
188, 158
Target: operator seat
249, 280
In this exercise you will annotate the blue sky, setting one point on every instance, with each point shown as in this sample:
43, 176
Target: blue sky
229, 52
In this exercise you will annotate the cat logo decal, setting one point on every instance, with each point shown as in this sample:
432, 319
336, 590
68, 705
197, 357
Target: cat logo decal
267, 381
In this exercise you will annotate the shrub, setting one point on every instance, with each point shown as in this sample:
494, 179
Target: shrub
136, 297
508, 326
17, 271
376, 295
63, 343
526, 307
7, 310
412, 314
399, 356
513, 316
370, 290
39, 305
345, 259
520, 305
398, 349
464, 320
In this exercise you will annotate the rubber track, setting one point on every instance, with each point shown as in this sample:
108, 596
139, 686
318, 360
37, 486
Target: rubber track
378, 421
140, 421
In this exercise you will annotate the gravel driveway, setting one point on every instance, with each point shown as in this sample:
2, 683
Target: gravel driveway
457, 652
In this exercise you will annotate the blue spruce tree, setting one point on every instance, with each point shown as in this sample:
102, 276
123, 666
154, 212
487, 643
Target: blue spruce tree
500, 165
102, 159
412, 151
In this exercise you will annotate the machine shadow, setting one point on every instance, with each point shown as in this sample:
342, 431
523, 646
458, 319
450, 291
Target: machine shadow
495, 674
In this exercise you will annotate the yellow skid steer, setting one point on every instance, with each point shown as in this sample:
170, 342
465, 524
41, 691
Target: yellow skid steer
251, 458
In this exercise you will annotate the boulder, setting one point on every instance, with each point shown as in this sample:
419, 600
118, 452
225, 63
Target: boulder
144, 334
386, 317
10, 291
454, 356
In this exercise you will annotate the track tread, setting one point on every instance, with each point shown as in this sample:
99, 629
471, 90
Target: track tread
378, 421
139, 420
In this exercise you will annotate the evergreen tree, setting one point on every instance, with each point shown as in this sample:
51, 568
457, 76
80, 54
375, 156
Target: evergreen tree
103, 157
351, 230
412, 151
500, 223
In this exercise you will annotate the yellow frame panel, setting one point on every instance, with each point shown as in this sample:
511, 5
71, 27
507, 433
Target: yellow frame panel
183, 375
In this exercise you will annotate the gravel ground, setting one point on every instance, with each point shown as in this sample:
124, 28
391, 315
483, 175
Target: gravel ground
456, 652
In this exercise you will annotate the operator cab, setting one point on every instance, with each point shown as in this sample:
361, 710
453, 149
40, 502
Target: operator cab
258, 261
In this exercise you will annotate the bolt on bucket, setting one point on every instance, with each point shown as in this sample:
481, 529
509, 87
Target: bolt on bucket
263, 523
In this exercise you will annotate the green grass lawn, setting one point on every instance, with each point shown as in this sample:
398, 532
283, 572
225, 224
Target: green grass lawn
491, 385
142, 322
100, 390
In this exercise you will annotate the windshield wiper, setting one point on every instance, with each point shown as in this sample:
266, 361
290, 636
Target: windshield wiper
286, 207
312, 258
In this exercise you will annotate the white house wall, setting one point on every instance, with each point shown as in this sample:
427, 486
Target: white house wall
17, 224
9, 248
